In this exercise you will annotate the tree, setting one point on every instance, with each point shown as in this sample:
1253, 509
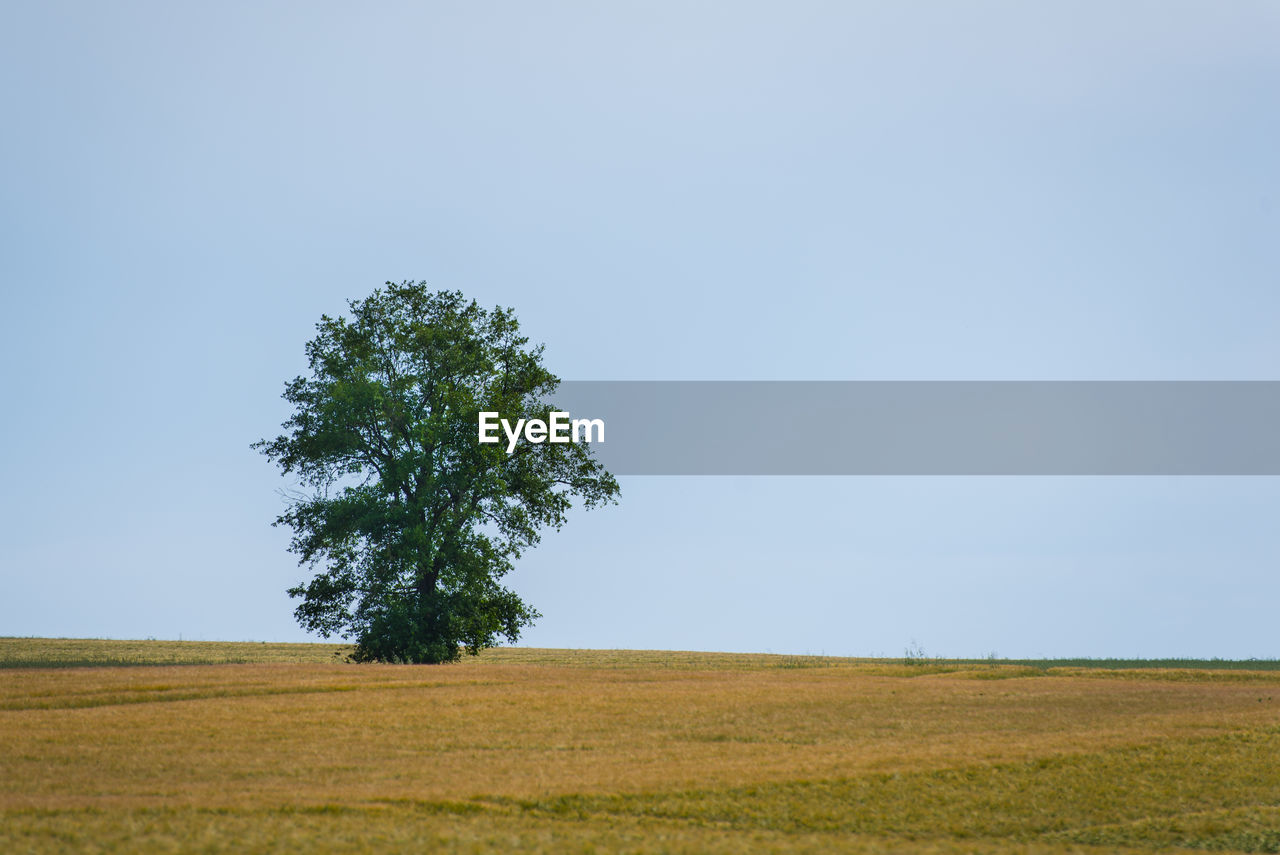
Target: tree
409, 521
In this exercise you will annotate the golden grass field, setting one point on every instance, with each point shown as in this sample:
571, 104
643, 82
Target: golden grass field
286, 748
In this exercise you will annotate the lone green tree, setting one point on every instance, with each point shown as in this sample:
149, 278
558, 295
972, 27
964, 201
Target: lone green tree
408, 521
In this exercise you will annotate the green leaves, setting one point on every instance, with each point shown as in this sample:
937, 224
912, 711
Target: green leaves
411, 522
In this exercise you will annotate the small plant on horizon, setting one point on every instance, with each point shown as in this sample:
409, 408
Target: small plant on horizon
914, 654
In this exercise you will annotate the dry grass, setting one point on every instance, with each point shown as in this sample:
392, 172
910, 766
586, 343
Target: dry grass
626, 751
94, 652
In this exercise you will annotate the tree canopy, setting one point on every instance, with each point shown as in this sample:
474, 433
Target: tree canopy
407, 520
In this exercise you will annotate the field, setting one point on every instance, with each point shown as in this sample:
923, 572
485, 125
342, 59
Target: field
211, 747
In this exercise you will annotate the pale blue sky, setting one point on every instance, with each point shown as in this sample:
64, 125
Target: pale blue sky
662, 191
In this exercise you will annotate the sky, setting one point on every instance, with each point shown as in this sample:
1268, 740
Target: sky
661, 191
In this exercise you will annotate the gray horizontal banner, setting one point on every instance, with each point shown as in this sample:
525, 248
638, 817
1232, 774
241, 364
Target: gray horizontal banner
931, 428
